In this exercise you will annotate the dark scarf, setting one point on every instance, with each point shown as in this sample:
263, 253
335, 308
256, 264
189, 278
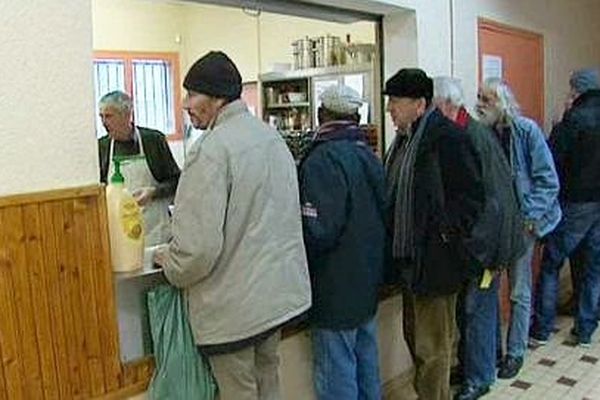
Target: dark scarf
403, 246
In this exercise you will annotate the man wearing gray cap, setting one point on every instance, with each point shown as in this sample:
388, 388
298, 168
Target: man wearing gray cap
342, 195
575, 144
237, 246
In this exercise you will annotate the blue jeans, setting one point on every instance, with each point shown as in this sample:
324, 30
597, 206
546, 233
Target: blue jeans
478, 315
519, 276
346, 363
580, 225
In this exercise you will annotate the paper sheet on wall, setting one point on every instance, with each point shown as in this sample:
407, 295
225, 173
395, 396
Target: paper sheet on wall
492, 66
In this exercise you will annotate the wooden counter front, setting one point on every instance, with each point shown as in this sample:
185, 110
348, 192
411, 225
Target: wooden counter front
58, 318
58, 329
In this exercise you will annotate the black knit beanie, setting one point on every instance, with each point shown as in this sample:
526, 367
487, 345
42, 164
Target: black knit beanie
214, 74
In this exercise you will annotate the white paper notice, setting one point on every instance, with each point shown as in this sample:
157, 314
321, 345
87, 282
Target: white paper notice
492, 66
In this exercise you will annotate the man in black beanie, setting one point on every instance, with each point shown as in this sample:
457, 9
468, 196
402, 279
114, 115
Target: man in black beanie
237, 246
435, 193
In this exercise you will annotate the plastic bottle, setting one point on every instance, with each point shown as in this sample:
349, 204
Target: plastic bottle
125, 225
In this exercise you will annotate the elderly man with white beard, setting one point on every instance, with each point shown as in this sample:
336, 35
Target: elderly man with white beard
536, 185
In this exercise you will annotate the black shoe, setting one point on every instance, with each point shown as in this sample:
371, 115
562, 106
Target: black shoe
470, 392
456, 376
573, 332
510, 367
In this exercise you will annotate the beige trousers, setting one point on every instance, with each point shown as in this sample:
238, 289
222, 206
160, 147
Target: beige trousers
429, 329
249, 374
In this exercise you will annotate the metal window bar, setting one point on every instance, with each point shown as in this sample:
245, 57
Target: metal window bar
109, 75
153, 95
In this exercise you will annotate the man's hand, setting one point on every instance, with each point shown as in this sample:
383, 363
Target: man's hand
143, 195
160, 255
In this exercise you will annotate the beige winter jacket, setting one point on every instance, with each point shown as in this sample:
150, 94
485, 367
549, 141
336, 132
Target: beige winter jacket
237, 244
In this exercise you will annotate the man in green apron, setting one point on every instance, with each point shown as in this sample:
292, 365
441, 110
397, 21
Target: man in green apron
151, 174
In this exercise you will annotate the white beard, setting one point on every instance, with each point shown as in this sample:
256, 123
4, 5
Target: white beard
488, 117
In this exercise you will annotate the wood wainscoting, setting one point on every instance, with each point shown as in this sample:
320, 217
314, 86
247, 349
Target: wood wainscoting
58, 326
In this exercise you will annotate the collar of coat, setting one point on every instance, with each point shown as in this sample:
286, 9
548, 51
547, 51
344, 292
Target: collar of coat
228, 112
586, 96
339, 130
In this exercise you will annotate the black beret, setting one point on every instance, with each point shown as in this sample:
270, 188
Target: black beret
410, 82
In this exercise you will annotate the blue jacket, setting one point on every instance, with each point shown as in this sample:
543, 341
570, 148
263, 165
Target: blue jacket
342, 191
535, 177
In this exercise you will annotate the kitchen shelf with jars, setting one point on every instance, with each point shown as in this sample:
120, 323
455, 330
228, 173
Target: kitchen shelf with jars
290, 97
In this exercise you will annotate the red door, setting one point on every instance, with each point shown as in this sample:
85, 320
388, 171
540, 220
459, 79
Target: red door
522, 58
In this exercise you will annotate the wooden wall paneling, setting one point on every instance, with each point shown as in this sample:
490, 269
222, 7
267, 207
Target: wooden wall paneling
53, 277
69, 244
41, 312
82, 212
3, 289
103, 282
58, 325
64, 310
3, 388
23, 299
11, 359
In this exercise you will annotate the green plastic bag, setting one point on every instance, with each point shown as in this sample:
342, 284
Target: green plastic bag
181, 372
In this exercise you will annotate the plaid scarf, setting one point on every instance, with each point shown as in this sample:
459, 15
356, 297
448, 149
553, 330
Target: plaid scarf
403, 246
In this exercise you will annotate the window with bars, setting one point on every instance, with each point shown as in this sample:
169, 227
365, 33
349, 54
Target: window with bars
150, 79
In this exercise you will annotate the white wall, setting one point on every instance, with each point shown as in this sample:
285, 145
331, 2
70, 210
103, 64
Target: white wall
570, 28
571, 38
194, 29
46, 108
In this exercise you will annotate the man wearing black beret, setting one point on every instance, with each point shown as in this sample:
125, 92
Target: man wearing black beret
435, 194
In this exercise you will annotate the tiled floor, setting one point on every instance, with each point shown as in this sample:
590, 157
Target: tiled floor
558, 370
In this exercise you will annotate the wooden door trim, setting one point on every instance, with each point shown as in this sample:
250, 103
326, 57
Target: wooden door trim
505, 28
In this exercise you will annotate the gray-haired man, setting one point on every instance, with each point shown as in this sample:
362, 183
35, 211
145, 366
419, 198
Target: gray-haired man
150, 171
496, 241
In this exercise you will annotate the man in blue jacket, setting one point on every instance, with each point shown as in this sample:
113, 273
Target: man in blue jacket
536, 185
342, 195
575, 144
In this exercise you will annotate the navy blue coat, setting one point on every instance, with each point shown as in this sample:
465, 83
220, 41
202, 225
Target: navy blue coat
342, 191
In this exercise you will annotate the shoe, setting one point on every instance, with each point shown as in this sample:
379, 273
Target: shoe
536, 341
510, 367
574, 332
471, 392
584, 344
499, 359
456, 376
